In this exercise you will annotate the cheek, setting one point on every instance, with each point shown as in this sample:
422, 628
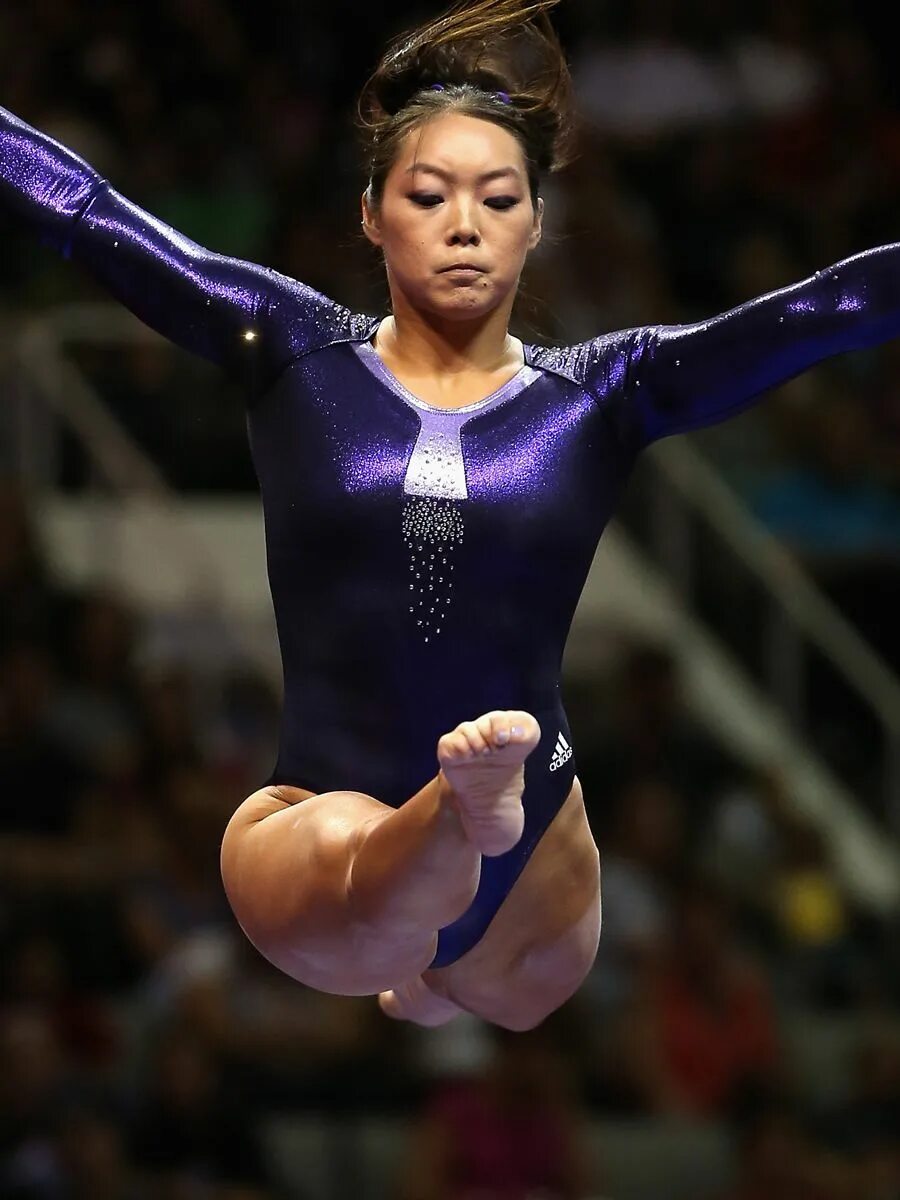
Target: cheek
406, 245
521, 234
515, 246
410, 257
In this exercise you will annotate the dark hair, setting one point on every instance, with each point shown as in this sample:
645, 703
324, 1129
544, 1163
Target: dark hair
475, 50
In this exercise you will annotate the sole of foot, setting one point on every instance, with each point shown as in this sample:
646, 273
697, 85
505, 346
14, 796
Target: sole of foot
483, 762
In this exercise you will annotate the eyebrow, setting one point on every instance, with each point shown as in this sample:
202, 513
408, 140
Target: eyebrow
498, 173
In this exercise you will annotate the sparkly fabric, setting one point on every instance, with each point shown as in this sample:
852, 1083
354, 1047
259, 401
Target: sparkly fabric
425, 564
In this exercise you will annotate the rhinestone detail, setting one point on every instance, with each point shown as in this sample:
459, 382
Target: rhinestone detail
432, 529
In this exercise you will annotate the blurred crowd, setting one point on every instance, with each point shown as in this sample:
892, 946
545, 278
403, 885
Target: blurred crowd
727, 148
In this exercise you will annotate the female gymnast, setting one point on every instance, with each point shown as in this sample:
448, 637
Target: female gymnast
434, 491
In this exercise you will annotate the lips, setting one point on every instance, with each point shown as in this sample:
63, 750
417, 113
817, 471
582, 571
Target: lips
461, 267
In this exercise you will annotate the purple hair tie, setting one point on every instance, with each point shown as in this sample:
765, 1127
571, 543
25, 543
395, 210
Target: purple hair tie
503, 97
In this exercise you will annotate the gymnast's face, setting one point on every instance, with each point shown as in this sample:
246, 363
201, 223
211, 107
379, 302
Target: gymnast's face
440, 207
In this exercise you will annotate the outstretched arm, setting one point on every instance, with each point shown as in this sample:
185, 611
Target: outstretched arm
248, 319
683, 377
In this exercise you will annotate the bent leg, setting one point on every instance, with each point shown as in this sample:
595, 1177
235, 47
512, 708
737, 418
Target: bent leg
342, 892
543, 940
347, 894
541, 983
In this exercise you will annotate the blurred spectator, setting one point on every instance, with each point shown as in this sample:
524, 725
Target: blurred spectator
834, 509
866, 1123
778, 70
242, 738
843, 522
283, 1044
638, 860
83, 1159
815, 921
601, 219
703, 1028
29, 751
170, 738
188, 1126
29, 602
742, 845
778, 1160
183, 894
647, 78
94, 715
881, 392
36, 1078
648, 731
712, 204
36, 983
509, 1134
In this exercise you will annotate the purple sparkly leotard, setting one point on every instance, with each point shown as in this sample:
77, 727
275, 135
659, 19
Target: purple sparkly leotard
425, 564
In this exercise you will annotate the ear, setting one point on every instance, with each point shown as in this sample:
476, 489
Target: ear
369, 222
537, 229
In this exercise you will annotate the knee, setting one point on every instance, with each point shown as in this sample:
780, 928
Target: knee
527, 1008
522, 1023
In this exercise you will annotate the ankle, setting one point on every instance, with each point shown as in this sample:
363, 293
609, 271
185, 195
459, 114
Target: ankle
449, 805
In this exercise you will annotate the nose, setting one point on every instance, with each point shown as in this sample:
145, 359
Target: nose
463, 227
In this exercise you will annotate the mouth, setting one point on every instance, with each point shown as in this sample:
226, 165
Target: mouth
462, 269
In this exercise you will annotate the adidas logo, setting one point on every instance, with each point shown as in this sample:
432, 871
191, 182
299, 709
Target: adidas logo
561, 754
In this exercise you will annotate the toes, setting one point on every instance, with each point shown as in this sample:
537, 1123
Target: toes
475, 738
501, 727
512, 725
488, 733
523, 726
454, 745
498, 728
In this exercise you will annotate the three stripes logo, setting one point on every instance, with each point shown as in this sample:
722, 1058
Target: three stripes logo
561, 754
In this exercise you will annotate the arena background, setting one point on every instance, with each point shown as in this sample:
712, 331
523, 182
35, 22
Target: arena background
734, 700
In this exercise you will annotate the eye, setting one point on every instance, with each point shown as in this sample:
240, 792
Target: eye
499, 203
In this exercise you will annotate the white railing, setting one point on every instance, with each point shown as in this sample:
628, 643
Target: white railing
36, 357
686, 490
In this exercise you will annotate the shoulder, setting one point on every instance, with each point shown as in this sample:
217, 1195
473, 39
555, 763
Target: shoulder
312, 319
597, 362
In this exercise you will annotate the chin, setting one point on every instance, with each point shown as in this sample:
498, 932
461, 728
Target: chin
465, 305
465, 312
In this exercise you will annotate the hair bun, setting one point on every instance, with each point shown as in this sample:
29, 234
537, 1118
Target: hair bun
505, 47
413, 69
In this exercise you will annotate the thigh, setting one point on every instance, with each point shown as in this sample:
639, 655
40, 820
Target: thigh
284, 855
543, 940
286, 858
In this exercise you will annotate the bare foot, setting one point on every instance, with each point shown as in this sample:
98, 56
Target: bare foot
483, 761
415, 1001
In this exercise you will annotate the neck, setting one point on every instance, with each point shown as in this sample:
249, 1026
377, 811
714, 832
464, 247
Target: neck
428, 346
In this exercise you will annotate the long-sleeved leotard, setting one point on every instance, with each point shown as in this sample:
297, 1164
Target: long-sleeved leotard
425, 564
